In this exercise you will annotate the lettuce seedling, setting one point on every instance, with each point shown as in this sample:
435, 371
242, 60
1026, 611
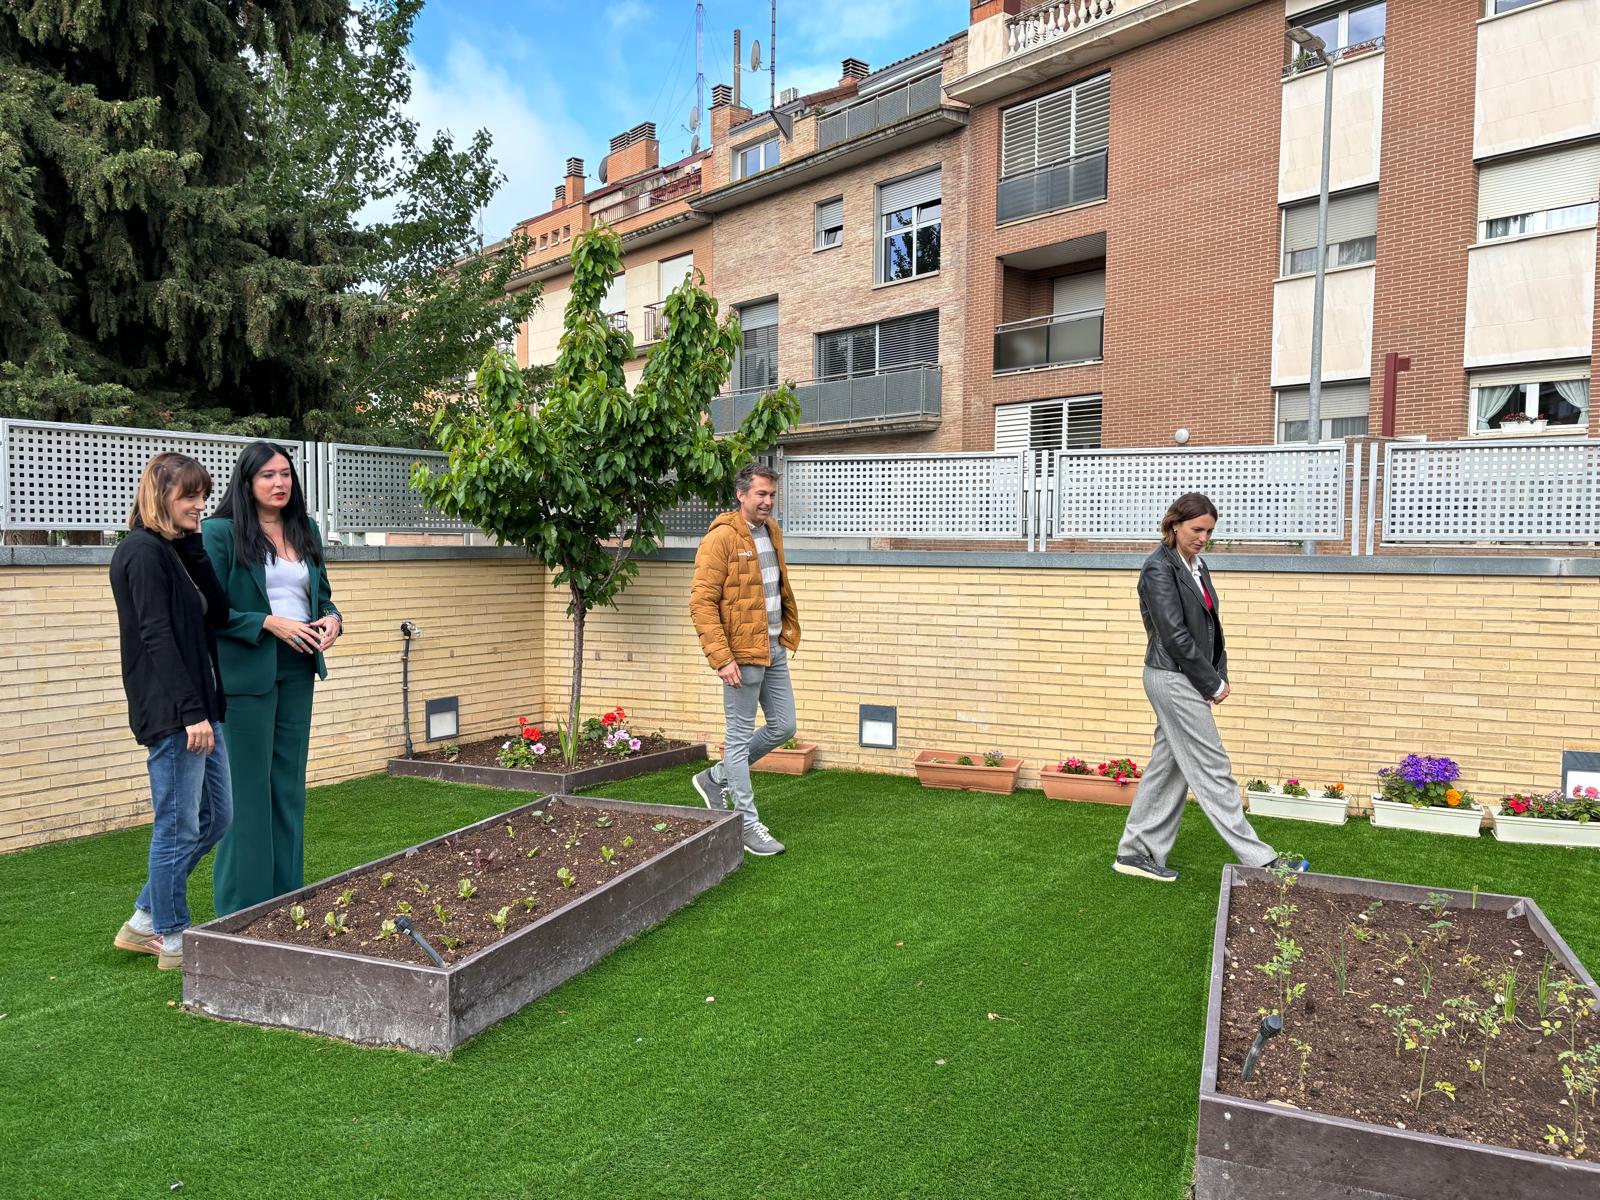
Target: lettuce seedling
465, 889
297, 914
386, 931
607, 853
499, 918
566, 877
442, 913
385, 879
335, 924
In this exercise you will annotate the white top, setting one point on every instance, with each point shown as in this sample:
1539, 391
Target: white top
288, 589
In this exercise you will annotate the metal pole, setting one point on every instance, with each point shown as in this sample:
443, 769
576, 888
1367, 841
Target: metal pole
1314, 398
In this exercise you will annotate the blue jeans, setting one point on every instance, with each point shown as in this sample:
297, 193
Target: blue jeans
743, 744
193, 802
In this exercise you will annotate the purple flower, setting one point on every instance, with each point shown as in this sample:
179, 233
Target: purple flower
633, 743
538, 748
1419, 770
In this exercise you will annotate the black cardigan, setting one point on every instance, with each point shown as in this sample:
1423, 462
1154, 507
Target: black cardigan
169, 643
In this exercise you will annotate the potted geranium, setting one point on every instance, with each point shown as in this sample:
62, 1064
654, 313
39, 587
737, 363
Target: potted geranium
1422, 792
1551, 819
1111, 782
1521, 422
1295, 800
991, 772
794, 757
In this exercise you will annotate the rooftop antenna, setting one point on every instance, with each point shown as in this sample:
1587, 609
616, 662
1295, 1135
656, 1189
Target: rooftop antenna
772, 57
738, 67
699, 76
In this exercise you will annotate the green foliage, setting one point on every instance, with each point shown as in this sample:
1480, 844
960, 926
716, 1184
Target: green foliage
584, 478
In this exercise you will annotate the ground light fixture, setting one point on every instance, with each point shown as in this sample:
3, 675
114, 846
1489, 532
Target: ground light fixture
442, 717
878, 726
1271, 1027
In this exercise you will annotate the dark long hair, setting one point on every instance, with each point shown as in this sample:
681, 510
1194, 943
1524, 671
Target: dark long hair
1185, 508
250, 544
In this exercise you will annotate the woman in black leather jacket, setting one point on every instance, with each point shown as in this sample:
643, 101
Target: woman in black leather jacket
1185, 677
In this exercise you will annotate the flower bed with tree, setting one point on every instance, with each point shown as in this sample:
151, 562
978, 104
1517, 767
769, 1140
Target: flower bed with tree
603, 739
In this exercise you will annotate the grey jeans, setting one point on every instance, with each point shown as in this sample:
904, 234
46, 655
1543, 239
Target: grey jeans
743, 743
1187, 755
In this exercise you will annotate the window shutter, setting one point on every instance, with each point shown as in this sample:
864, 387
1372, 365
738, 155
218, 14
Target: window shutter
1350, 216
830, 214
1048, 425
1083, 292
907, 340
1055, 128
758, 315
1091, 119
1539, 181
833, 354
1011, 428
1345, 399
1019, 130
1083, 424
904, 193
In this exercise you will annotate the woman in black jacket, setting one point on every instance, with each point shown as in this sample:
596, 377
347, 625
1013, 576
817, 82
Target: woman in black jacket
169, 605
1185, 677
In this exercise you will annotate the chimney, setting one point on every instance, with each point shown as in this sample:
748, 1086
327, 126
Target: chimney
632, 152
721, 95
561, 195
572, 189
853, 69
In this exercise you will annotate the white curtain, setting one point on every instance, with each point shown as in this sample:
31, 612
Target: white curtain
1576, 393
1491, 399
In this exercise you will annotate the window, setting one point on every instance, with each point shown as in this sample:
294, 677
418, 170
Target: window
1539, 193
751, 159
566, 233
1071, 424
1531, 398
1063, 125
867, 349
1343, 28
830, 224
1352, 232
758, 345
910, 214
675, 271
1342, 408
1504, 6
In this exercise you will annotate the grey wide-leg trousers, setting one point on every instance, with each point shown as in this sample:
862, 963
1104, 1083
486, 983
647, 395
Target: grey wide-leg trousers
1187, 755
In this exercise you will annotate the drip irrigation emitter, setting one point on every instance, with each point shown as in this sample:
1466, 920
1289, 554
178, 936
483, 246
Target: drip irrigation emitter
404, 925
1271, 1027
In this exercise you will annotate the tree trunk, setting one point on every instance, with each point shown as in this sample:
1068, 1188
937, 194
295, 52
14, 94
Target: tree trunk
579, 612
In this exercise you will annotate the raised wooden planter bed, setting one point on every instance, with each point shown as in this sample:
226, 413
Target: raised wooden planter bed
796, 761
434, 1009
1095, 789
554, 782
1252, 1150
939, 769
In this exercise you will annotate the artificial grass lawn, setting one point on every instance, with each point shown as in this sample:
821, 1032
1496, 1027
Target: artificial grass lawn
844, 972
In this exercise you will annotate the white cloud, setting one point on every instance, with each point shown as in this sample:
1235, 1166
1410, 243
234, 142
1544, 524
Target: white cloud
531, 146
626, 15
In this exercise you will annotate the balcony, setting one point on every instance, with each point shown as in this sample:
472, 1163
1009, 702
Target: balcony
618, 320
655, 322
1080, 180
902, 397
881, 111
1061, 18
1054, 340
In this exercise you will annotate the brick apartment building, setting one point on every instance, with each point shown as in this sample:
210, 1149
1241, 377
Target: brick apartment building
1104, 230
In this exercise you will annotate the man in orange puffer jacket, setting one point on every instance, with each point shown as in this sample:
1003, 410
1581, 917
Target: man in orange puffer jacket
744, 612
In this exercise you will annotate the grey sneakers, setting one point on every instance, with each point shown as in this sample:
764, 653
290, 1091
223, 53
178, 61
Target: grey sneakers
1144, 868
758, 841
713, 793
1285, 862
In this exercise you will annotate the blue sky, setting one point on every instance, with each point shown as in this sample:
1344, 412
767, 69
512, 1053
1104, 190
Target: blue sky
552, 78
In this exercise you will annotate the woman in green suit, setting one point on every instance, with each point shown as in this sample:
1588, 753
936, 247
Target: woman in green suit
281, 619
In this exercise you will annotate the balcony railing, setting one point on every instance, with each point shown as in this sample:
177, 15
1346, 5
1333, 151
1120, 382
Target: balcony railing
1046, 22
618, 321
1308, 60
655, 322
1066, 184
1055, 340
899, 394
918, 96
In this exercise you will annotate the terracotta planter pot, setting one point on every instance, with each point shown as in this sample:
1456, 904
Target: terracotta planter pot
947, 773
788, 762
1095, 789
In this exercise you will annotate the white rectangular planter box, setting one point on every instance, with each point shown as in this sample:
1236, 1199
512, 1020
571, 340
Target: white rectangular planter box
1460, 822
1537, 831
1322, 809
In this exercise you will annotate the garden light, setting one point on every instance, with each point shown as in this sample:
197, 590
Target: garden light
404, 925
878, 726
442, 718
1270, 1027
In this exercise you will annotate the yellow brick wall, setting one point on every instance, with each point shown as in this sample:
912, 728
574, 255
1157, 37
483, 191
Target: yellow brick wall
1334, 675
69, 766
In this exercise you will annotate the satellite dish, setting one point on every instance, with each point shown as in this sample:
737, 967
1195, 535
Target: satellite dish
755, 56
694, 144
603, 171
694, 118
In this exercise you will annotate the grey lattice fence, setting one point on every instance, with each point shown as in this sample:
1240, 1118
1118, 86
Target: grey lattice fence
58, 476
955, 496
368, 489
1265, 493
1538, 491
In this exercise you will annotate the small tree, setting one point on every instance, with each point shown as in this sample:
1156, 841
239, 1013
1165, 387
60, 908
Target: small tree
584, 478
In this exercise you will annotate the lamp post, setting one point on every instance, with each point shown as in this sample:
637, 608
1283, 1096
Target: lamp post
1310, 42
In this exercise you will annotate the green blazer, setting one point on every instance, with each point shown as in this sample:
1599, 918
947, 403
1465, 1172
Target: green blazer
246, 652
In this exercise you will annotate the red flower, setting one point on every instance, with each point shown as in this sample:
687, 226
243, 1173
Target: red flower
531, 735
522, 720
609, 719
620, 715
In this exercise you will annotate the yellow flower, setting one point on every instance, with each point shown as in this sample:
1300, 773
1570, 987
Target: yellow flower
1452, 798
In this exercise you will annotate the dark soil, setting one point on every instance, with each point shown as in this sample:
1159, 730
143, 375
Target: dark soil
1351, 1068
590, 754
496, 864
